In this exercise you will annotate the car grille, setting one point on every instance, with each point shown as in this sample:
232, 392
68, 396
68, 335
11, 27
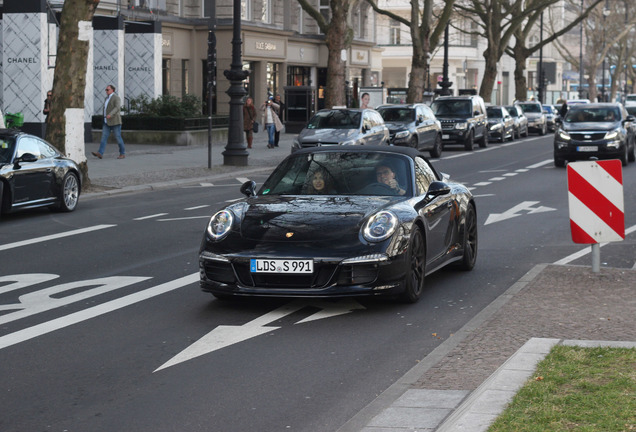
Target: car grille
325, 274
309, 144
447, 124
588, 136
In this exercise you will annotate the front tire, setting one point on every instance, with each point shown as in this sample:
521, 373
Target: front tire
631, 156
483, 142
69, 193
416, 261
470, 241
437, 147
468, 144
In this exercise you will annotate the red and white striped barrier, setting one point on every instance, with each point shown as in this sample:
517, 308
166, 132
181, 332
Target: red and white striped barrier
597, 211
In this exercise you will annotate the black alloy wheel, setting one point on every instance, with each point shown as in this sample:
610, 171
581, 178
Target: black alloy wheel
483, 142
468, 144
416, 261
470, 240
436, 151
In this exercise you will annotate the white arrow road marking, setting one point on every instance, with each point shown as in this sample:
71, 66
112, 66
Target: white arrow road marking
515, 211
53, 236
224, 336
86, 314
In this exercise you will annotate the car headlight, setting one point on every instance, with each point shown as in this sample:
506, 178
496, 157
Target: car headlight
380, 226
348, 142
296, 143
611, 135
496, 126
461, 125
402, 134
564, 135
220, 224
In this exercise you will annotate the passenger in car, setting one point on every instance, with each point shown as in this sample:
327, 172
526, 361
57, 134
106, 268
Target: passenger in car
320, 184
385, 174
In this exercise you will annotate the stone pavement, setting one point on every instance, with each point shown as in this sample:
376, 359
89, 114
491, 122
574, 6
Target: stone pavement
467, 380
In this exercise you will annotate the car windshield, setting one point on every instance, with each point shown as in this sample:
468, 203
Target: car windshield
335, 119
531, 107
513, 111
493, 112
7, 147
339, 173
451, 107
584, 115
549, 109
397, 115
631, 98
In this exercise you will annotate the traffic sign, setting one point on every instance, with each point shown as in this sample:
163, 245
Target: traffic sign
597, 211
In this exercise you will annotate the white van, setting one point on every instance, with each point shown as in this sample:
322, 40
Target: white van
630, 100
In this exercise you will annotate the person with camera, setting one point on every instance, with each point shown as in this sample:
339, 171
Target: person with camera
270, 120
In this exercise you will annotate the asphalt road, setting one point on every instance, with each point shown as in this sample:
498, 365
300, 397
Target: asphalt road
105, 328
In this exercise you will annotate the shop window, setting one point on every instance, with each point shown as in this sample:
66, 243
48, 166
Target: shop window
298, 76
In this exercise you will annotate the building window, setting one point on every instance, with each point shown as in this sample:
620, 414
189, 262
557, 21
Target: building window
298, 76
301, 18
325, 9
246, 10
394, 32
266, 13
185, 77
165, 73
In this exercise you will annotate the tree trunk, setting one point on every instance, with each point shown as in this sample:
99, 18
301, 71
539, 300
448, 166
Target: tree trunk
416, 78
490, 75
337, 38
520, 74
69, 82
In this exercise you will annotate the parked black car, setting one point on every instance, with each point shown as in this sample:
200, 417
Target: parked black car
414, 126
521, 121
377, 221
501, 125
463, 120
600, 130
34, 174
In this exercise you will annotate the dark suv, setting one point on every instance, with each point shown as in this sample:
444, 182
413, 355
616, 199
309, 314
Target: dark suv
601, 130
414, 126
463, 120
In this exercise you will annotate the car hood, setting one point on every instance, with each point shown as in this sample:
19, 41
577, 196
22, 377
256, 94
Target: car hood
308, 219
326, 135
397, 126
590, 126
533, 115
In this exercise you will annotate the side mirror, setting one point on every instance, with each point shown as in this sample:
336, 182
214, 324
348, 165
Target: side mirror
630, 118
249, 188
437, 188
26, 157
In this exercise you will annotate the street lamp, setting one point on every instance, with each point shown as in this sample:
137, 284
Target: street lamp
235, 152
581, 94
606, 13
211, 64
445, 84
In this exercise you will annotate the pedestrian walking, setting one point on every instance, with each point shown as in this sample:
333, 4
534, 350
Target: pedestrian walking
249, 116
112, 123
281, 116
270, 120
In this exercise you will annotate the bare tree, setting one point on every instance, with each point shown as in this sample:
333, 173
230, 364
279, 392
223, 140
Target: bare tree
520, 52
598, 44
426, 29
69, 81
338, 37
498, 21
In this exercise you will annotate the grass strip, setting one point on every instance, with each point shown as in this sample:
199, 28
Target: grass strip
576, 389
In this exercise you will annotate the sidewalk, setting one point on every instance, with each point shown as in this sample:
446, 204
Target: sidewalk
469, 378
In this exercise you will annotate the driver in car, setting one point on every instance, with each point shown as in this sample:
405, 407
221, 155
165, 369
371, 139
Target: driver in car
386, 175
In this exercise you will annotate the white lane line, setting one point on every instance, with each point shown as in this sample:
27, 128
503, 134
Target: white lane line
512, 174
522, 170
53, 236
104, 308
540, 164
242, 180
197, 207
587, 250
184, 218
482, 184
496, 179
150, 216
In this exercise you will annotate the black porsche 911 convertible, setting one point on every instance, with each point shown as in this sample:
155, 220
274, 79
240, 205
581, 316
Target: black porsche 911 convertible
340, 221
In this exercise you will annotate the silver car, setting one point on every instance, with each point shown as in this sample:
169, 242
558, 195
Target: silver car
537, 120
343, 126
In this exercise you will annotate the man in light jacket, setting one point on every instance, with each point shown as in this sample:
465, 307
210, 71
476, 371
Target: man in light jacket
112, 123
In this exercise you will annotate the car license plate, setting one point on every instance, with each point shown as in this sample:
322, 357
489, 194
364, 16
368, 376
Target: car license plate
587, 148
281, 266
445, 136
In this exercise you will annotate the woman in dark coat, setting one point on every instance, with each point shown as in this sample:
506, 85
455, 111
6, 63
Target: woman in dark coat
249, 116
